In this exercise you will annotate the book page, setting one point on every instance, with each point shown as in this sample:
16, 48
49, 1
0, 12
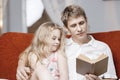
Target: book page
102, 56
97, 66
87, 59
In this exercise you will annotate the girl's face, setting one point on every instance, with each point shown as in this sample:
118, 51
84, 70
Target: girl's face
54, 41
77, 27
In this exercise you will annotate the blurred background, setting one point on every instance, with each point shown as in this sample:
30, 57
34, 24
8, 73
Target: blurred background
26, 15
0, 15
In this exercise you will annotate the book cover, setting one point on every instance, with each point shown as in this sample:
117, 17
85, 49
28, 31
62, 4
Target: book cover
85, 65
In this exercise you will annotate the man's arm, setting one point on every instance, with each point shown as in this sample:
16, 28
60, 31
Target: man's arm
94, 77
22, 71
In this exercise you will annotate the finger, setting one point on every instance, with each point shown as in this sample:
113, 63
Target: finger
20, 76
17, 77
94, 76
25, 73
88, 77
27, 69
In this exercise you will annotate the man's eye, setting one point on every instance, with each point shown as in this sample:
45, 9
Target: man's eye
81, 23
73, 25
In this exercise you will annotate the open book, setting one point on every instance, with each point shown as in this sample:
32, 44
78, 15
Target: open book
97, 66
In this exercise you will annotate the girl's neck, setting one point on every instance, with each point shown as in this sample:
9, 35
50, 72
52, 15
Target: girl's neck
51, 52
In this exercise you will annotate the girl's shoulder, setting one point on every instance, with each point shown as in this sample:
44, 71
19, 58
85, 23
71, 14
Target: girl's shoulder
61, 56
32, 58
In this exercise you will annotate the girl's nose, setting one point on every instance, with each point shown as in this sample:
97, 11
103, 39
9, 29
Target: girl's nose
57, 41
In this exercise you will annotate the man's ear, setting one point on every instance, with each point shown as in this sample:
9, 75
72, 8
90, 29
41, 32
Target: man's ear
67, 32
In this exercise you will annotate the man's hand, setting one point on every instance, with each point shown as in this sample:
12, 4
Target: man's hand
23, 73
92, 77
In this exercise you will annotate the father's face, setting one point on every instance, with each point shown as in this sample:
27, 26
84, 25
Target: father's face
78, 27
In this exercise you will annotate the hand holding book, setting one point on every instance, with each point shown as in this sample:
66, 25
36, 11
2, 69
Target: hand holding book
86, 65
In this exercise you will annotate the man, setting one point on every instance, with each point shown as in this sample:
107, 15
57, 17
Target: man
75, 21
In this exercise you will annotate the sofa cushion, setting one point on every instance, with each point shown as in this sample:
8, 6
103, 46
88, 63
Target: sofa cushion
113, 40
11, 45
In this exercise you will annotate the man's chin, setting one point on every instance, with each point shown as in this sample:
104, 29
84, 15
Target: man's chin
81, 37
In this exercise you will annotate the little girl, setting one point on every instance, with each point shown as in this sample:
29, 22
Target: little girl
46, 55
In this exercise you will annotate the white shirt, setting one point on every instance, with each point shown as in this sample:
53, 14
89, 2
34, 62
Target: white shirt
92, 49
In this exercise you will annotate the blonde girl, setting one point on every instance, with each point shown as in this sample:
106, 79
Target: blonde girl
46, 55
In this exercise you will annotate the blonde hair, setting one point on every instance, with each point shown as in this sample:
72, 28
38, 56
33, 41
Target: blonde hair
39, 45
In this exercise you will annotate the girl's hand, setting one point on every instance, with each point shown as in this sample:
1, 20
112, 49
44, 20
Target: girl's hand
92, 77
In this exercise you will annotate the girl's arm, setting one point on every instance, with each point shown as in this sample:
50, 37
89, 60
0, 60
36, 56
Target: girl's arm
40, 72
63, 67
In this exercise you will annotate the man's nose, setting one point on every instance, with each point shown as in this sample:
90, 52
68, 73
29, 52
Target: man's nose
79, 28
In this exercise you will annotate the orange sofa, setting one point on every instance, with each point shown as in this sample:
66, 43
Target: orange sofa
13, 43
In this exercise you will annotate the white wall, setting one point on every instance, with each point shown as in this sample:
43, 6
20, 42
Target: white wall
102, 15
20, 14
14, 18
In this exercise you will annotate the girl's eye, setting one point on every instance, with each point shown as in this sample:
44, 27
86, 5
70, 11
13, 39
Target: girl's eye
53, 38
59, 39
81, 23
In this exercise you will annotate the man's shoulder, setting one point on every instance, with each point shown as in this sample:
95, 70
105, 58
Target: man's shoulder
99, 43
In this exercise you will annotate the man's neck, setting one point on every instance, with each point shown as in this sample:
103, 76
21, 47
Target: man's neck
82, 41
